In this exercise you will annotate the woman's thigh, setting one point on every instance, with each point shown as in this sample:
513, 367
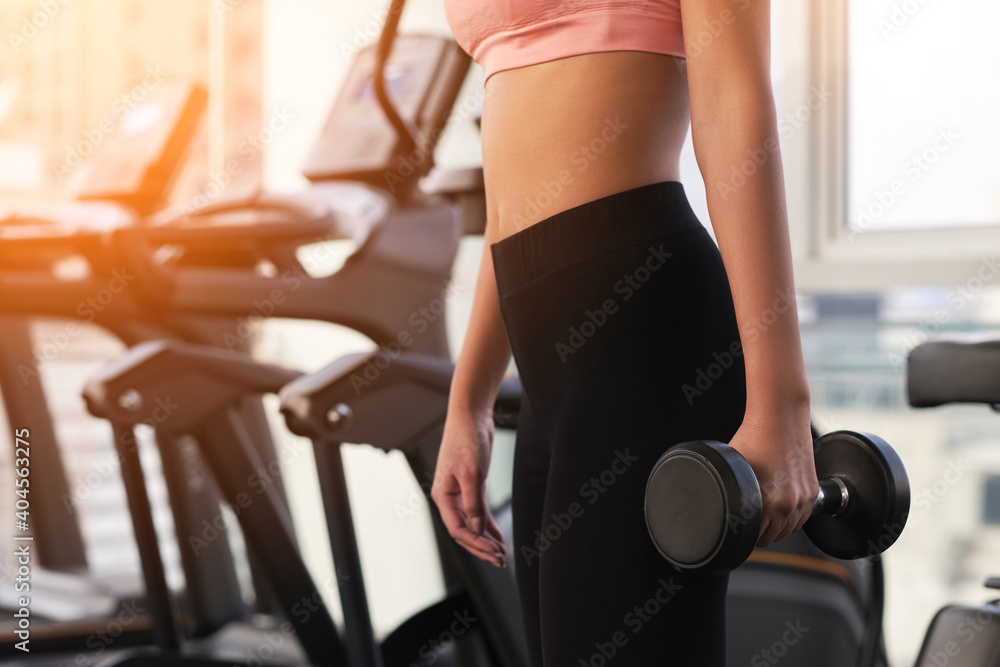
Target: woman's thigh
531, 470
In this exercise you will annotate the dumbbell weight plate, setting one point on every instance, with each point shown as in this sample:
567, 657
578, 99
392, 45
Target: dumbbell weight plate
697, 493
880, 495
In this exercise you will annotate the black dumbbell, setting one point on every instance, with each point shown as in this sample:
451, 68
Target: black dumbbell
703, 502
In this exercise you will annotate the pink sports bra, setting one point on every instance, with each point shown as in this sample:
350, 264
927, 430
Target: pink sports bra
504, 34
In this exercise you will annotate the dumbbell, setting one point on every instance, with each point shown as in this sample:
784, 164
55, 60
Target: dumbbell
703, 503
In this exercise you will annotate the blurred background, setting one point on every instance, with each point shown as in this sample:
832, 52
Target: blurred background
887, 111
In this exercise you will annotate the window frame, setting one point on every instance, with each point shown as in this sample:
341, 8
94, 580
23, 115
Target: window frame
827, 256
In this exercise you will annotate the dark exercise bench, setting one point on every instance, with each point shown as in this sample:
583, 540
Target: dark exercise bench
958, 370
946, 371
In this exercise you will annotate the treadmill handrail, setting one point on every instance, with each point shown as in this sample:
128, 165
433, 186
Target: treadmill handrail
384, 48
307, 401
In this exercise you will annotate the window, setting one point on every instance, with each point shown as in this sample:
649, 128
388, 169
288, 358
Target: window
893, 183
923, 97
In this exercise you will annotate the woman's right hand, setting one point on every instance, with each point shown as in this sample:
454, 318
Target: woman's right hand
459, 488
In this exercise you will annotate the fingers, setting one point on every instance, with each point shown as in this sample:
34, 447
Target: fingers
468, 521
481, 520
770, 532
488, 548
474, 495
493, 529
485, 543
804, 516
493, 557
477, 510
458, 525
780, 522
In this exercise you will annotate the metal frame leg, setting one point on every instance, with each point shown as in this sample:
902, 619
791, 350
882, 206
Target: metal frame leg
158, 598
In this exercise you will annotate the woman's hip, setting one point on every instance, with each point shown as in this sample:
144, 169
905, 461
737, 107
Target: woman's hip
622, 305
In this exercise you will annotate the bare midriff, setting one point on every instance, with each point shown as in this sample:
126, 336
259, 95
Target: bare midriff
562, 133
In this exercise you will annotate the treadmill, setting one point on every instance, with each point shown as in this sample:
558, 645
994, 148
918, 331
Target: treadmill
193, 269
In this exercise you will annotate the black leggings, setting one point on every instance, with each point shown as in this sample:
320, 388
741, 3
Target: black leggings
621, 322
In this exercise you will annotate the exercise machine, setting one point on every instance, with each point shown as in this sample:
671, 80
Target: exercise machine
132, 173
152, 154
212, 270
941, 372
128, 391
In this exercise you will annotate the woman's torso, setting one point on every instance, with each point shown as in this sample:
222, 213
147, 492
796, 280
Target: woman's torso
561, 133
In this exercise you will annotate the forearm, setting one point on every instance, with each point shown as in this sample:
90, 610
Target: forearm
486, 351
747, 207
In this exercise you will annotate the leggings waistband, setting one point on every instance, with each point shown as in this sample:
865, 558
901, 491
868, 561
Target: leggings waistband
615, 221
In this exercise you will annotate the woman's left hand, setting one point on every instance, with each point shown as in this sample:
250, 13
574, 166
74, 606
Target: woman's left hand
777, 442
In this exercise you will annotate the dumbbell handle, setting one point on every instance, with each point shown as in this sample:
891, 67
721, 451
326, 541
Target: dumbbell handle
833, 497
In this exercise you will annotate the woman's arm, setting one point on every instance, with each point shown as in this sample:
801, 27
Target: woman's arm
735, 135
459, 488
485, 352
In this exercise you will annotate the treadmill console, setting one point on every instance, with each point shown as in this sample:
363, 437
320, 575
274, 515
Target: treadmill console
423, 75
141, 158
